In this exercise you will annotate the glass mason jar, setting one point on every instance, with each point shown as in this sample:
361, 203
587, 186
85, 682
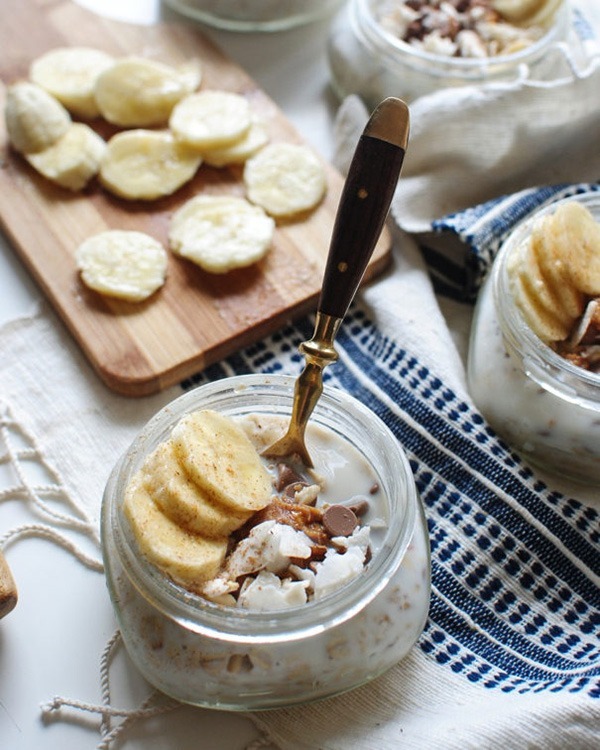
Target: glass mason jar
218, 656
367, 60
255, 15
545, 407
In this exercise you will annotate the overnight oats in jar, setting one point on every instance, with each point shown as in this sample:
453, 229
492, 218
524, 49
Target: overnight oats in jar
411, 48
242, 582
534, 356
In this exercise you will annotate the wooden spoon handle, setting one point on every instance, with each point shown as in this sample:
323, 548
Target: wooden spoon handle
8, 590
364, 204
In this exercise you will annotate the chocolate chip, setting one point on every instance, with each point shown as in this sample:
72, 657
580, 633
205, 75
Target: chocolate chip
359, 506
339, 520
291, 489
286, 476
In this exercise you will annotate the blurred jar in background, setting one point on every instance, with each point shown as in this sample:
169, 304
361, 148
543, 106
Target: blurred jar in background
255, 15
383, 48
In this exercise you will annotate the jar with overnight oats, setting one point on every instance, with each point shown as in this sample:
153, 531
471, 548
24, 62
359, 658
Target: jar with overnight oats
534, 355
255, 15
319, 591
411, 48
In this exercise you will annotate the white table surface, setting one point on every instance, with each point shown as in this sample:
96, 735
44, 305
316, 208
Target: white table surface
47, 641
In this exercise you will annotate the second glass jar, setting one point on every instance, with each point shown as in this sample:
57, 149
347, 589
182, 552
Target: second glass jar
544, 406
366, 60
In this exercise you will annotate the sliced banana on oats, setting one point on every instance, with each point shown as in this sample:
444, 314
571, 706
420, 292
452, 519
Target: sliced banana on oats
557, 270
140, 92
577, 234
70, 75
34, 118
553, 268
182, 500
146, 164
536, 285
542, 321
73, 159
210, 119
190, 559
219, 456
285, 179
237, 153
220, 233
129, 265
527, 12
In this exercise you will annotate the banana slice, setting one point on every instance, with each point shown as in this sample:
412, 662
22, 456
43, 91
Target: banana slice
577, 234
237, 153
73, 159
543, 322
218, 455
138, 92
524, 263
188, 558
125, 264
182, 500
516, 10
545, 15
220, 233
190, 75
146, 164
210, 119
527, 12
285, 179
70, 74
34, 119
555, 272
553, 268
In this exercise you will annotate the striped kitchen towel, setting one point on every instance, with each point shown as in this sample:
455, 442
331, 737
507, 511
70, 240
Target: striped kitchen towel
461, 246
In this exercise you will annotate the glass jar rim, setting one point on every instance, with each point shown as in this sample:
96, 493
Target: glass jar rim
366, 25
551, 371
235, 624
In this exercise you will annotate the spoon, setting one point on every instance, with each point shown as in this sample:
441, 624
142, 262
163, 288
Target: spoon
363, 207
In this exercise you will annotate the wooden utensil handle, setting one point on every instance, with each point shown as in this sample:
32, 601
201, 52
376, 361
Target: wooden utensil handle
364, 204
8, 590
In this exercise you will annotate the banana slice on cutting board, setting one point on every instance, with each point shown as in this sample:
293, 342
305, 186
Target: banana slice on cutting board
285, 179
140, 92
73, 159
188, 558
182, 500
128, 265
219, 456
220, 233
210, 119
146, 164
34, 118
237, 153
70, 75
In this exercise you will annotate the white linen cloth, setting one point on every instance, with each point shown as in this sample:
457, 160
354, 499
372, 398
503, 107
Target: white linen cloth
511, 658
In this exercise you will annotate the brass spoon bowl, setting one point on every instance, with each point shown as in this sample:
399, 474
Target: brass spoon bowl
363, 207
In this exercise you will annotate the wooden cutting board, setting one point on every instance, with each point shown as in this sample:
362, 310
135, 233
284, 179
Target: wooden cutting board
196, 318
